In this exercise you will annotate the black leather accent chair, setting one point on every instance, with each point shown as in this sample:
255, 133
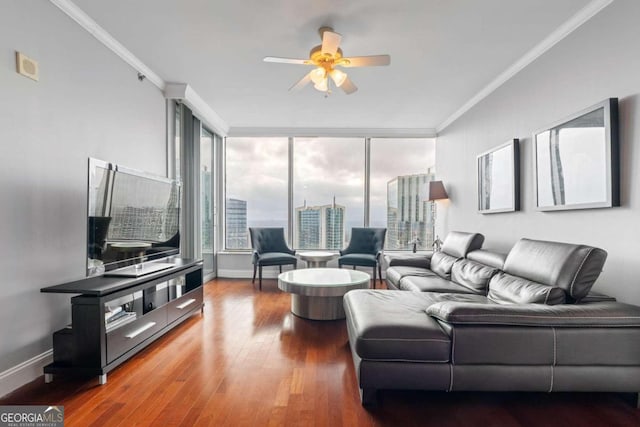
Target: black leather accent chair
269, 248
365, 249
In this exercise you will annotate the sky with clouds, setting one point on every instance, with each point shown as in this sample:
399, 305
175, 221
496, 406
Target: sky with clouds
256, 171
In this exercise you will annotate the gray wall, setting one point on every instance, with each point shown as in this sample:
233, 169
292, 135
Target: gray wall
599, 60
88, 103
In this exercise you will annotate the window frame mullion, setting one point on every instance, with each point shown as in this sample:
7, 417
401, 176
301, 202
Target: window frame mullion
367, 179
290, 214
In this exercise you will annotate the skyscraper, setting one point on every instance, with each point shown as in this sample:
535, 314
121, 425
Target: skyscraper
237, 232
319, 227
409, 214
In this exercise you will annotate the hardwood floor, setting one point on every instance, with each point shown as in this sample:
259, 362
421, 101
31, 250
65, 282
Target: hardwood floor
249, 362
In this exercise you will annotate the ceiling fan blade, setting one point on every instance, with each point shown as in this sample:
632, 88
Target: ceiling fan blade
366, 61
330, 42
286, 60
302, 82
348, 87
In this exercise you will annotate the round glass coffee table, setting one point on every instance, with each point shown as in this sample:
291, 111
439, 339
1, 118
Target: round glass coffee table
316, 259
316, 293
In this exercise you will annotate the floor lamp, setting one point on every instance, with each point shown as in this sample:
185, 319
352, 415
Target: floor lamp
436, 192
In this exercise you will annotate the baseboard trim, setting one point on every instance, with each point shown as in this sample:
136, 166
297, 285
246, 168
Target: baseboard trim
247, 274
266, 273
24, 372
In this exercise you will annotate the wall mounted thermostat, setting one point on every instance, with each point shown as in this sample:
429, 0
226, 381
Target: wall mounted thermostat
26, 66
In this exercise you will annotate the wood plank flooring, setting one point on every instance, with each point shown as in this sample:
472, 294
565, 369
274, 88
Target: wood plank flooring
249, 362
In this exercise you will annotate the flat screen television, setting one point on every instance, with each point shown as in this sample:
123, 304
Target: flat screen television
132, 217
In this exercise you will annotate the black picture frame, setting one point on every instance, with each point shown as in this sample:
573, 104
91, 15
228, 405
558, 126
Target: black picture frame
577, 161
498, 178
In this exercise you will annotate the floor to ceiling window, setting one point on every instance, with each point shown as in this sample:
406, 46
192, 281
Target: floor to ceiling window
193, 153
256, 187
328, 191
207, 207
177, 144
400, 173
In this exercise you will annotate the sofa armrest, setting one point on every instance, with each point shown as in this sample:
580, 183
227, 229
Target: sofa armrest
601, 314
409, 260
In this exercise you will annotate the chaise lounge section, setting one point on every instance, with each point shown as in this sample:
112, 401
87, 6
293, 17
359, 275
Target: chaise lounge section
475, 320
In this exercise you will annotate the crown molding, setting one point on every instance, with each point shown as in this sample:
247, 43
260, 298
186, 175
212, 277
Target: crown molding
185, 94
92, 27
331, 132
181, 91
583, 15
211, 118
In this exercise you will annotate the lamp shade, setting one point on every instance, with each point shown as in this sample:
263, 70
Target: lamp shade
437, 191
318, 75
338, 77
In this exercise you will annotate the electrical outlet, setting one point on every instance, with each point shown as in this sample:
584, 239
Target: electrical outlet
26, 66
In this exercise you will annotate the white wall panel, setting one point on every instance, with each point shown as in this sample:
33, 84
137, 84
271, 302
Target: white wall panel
597, 61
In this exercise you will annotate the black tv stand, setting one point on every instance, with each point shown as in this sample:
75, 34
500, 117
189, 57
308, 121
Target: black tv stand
114, 318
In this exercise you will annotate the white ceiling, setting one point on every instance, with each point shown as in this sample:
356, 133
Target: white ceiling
443, 52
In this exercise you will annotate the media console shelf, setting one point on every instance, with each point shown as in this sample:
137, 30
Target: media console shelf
114, 318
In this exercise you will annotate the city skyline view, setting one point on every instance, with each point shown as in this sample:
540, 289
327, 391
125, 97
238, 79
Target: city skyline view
323, 168
409, 220
409, 214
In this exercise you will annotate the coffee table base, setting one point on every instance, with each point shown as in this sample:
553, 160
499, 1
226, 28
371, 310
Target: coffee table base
316, 264
317, 308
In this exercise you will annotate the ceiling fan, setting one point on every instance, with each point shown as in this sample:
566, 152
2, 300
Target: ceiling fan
325, 58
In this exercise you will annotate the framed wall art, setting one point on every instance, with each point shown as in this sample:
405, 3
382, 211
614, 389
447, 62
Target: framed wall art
498, 172
577, 160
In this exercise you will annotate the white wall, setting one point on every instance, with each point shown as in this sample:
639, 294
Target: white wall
88, 103
599, 60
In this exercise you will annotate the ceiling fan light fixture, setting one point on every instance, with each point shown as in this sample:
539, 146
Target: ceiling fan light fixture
338, 77
325, 58
322, 85
318, 75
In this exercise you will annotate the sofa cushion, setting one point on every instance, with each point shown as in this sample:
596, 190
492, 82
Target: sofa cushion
459, 243
430, 284
507, 289
358, 259
472, 275
390, 325
394, 274
275, 258
490, 258
408, 260
605, 314
573, 268
596, 297
436, 297
441, 264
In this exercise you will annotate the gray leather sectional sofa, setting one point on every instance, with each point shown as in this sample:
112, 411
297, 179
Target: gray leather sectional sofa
475, 320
